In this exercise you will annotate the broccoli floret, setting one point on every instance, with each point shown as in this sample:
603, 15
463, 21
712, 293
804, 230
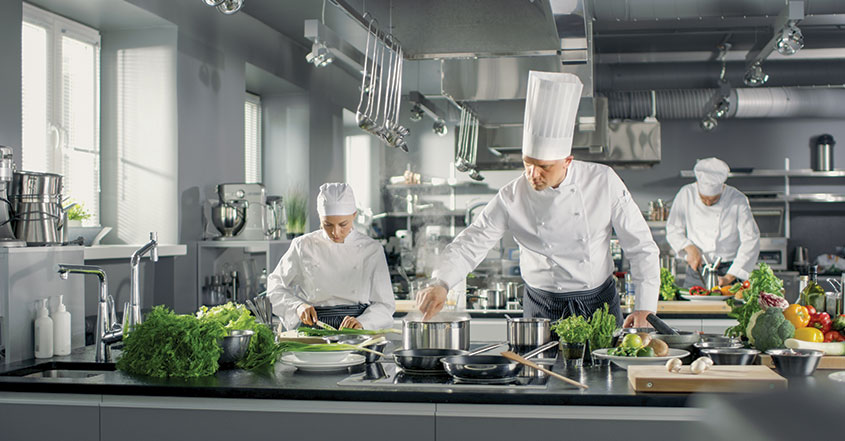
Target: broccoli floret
769, 329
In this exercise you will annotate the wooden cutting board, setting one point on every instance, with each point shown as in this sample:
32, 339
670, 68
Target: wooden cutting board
827, 362
716, 379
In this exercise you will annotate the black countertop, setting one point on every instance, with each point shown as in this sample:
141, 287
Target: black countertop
608, 386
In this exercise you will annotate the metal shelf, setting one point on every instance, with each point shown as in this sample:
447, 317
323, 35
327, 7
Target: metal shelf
421, 214
447, 187
766, 173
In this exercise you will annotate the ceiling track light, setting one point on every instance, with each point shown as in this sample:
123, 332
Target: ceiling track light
786, 39
417, 113
791, 40
227, 7
320, 55
755, 76
440, 127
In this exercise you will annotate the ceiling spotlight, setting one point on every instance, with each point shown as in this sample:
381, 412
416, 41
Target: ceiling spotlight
755, 76
417, 113
440, 128
708, 123
722, 108
320, 55
475, 175
791, 40
229, 7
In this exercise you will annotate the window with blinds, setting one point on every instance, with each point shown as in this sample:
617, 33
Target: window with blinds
252, 139
61, 104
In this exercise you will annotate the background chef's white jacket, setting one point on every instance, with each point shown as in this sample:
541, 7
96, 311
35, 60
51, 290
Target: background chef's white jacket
726, 229
320, 272
563, 234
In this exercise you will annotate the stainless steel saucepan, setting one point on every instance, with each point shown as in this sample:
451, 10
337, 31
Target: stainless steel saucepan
487, 367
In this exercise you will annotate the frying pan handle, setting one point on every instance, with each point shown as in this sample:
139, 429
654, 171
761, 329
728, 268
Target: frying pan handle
660, 325
541, 349
486, 348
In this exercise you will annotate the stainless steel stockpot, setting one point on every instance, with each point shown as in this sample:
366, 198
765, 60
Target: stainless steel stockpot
440, 333
528, 333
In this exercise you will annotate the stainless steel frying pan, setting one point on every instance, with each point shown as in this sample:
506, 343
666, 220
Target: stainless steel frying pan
487, 367
428, 360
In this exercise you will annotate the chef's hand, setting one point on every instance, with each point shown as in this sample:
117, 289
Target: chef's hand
637, 319
350, 323
307, 314
727, 279
693, 256
431, 300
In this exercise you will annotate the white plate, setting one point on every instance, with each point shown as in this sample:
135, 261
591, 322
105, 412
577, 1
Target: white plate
332, 357
706, 298
350, 360
624, 362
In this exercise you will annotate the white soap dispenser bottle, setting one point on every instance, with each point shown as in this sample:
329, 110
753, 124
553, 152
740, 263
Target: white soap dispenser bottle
61, 329
43, 332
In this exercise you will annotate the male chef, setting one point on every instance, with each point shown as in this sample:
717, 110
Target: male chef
710, 219
562, 214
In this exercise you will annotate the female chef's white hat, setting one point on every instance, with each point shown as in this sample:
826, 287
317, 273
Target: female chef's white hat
551, 105
711, 173
335, 199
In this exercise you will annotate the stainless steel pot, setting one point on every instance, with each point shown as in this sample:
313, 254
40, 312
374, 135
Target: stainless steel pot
490, 298
514, 290
443, 333
528, 333
38, 217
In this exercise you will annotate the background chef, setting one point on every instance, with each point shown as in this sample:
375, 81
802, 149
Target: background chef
335, 274
561, 213
710, 219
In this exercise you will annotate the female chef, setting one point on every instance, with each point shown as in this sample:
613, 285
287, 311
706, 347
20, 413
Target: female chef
335, 274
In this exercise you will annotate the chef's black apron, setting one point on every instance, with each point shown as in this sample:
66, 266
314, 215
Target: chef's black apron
334, 315
556, 305
693, 278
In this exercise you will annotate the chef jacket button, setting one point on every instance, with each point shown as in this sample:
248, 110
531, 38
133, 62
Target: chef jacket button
577, 213
572, 190
548, 245
583, 261
542, 223
316, 289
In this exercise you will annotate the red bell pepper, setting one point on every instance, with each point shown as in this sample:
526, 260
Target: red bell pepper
698, 291
820, 321
810, 310
833, 336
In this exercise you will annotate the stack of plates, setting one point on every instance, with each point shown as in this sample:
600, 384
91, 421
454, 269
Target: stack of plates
314, 364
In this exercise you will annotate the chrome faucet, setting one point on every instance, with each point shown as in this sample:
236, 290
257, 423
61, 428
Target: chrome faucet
134, 317
108, 330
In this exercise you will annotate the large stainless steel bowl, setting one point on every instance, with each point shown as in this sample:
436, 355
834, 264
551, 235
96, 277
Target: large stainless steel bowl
228, 219
234, 346
795, 362
731, 356
683, 340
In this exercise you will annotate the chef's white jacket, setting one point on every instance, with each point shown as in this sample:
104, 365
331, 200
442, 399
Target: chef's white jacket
319, 272
563, 234
726, 229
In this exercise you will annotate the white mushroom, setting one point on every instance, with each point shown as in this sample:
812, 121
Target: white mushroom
699, 366
674, 365
707, 360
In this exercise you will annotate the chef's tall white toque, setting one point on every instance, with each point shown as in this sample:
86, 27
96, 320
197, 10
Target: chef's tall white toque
551, 106
335, 199
711, 174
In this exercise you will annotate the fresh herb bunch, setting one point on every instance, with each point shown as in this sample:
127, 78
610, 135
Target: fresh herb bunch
78, 212
602, 326
668, 289
169, 344
762, 280
296, 209
573, 329
314, 332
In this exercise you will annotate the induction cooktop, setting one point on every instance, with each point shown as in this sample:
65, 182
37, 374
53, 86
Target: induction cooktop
389, 376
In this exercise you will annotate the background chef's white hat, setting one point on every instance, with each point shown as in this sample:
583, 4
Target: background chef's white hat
551, 105
711, 173
335, 199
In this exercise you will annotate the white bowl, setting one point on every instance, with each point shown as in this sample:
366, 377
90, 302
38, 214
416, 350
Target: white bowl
624, 362
328, 357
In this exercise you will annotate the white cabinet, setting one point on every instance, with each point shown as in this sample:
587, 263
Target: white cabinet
247, 258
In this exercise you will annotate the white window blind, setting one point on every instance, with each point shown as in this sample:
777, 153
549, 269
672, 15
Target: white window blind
61, 104
252, 138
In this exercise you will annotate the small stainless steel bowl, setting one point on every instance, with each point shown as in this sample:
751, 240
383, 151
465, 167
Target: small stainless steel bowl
234, 346
719, 338
795, 362
731, 356
716, 345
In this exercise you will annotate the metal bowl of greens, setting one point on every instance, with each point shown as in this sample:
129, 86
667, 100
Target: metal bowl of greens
234, 346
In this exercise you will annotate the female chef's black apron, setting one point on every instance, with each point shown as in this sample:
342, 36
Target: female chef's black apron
334, 315
693, 278
556, 305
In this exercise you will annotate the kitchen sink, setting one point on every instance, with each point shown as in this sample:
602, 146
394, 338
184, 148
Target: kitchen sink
62, 370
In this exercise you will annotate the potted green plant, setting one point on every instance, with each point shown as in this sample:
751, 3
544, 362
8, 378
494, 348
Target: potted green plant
573, 332
602, 327
296, 207
76, 214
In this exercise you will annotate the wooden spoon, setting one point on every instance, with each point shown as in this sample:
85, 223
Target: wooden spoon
519, 359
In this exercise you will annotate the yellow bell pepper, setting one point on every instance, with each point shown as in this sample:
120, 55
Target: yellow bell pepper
797, 315
809, 334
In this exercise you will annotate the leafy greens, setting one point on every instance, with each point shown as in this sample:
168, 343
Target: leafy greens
668, 289
762, 280
602, 326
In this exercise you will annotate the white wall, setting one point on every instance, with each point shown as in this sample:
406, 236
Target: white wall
10, 76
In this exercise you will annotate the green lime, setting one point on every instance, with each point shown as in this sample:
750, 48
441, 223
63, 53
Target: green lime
645, 352
632, 341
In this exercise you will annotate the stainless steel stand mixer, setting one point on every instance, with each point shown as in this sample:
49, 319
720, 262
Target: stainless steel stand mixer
240, 214
7, 167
